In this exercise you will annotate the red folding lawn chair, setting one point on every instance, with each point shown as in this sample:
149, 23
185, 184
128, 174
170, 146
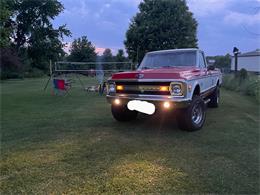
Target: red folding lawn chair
61, 86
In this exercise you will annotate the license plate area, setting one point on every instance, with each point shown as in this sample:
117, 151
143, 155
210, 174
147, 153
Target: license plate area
141, 106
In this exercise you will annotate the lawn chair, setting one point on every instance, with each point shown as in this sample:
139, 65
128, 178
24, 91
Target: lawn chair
61, 86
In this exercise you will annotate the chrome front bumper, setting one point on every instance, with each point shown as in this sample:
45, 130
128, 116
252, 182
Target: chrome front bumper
178, 102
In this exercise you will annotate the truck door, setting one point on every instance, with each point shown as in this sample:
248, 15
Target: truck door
206, 82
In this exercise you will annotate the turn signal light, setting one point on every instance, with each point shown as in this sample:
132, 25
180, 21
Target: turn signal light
119, 87
164, 88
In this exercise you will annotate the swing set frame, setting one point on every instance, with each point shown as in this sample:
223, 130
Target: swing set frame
56, 70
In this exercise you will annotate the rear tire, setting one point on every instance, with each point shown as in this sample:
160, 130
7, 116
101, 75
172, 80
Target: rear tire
214, 98
193, 117
122, 113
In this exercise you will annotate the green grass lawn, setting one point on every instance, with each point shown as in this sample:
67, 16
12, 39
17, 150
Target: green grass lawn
52, 144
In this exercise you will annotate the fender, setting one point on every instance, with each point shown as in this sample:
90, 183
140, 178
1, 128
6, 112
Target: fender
194, 84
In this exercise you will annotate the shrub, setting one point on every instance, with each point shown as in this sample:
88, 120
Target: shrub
10, 64
248, 85
33, 73
243, 74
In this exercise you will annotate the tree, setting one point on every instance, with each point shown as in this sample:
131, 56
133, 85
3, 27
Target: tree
107, 55
33, 30
5, 26
223, 61
120, 56
220, 61
82, 50
164, 24
10, 64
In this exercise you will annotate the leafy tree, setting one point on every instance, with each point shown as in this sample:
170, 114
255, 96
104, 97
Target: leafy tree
5, 26
220, 61
120, 56
82, 50
223, 61
33, 30
164, 24
107, 55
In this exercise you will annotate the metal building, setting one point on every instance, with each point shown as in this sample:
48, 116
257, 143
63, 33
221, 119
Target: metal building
249, 61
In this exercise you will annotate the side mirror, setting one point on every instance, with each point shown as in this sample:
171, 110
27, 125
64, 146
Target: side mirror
211, 67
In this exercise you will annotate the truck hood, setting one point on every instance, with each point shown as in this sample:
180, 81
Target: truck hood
162, 73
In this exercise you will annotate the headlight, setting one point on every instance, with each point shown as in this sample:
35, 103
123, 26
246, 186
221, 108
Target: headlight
176, 89
111, 88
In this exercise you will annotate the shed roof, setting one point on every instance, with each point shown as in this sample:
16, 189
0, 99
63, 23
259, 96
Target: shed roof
251, 53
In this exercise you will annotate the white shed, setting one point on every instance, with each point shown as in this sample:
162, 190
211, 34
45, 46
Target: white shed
249, 61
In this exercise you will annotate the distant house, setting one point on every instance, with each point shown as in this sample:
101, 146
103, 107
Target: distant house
249, 61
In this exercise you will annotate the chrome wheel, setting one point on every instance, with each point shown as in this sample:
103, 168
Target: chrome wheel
197, 114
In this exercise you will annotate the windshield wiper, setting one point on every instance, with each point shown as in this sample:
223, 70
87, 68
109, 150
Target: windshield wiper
166, 66
145, 68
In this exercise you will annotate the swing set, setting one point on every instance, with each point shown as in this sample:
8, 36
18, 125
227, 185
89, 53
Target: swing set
63, 75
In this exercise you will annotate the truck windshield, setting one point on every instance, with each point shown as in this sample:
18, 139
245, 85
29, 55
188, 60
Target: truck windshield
168, 60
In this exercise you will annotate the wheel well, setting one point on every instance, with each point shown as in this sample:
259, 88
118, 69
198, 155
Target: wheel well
197, 90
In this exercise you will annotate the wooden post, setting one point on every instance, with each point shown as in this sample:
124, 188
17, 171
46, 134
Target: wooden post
50, 77
50, 67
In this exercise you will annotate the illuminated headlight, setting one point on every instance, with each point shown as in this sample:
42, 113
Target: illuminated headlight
111, 88
176, 89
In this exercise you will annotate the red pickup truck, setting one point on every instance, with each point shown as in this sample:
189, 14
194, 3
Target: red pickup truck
177, 80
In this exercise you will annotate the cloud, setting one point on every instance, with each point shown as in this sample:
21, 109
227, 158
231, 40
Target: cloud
128, 2
236, 18
100, 50
203, 8
80, 9
231, 22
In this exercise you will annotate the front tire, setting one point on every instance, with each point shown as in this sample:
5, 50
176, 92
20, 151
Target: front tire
122, 113
193, 117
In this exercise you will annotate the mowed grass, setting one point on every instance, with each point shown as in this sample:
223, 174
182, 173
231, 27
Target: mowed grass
72, 145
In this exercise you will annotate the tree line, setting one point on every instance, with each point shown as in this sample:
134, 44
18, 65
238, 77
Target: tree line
82, 50
222, 62
29, 40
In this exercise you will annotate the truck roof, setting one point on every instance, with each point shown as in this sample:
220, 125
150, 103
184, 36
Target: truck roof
174, 50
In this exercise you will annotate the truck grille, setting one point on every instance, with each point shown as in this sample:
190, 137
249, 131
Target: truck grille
146, 88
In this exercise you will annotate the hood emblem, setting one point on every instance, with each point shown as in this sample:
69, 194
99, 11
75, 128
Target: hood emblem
140, 76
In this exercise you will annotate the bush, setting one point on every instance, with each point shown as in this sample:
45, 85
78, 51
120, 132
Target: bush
248, 85
242, 74
10, 64
33, 73
14, 65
